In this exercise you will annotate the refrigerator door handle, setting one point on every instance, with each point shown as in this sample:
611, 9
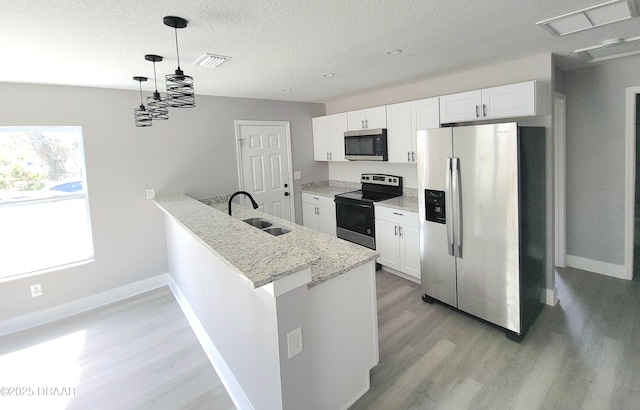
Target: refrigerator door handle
457, 206
448, 208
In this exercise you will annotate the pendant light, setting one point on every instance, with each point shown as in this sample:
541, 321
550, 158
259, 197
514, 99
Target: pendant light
180, 92
157, 105
141, 115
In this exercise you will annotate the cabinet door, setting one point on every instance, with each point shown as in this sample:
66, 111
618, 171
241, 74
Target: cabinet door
336, 128
388, 244
460, 107
513, 100
355, 120
376, 117
320, 138
410, 251
309, 216
425, 114
399, 135
327, 218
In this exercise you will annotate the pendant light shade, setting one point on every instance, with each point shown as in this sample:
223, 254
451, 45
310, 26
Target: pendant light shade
180, 93
157, 105
141, 115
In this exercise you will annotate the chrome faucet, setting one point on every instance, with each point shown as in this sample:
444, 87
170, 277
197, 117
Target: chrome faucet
253, 202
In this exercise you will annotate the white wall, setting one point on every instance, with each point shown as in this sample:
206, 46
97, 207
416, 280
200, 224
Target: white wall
191, 153
596, 159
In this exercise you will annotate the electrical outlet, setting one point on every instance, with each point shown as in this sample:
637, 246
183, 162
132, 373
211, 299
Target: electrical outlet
294, 342
36, 290
151, 193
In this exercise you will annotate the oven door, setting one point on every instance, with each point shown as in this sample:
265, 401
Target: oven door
356, 221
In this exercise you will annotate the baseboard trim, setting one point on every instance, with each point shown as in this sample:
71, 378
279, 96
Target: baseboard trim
603, 268
226, 376
550, 296
45, 316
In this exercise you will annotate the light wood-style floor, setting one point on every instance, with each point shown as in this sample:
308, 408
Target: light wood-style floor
582, 354
136, 354
141, 354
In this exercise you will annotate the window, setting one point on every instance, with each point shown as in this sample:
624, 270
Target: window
44, 207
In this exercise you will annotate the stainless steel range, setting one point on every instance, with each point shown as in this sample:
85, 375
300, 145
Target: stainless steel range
355, 215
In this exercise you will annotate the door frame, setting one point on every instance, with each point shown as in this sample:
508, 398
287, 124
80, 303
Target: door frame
560, 158
630, 180
237, 125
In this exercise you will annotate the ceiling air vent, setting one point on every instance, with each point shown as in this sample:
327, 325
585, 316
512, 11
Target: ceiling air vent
211, 60
594, 16
610, 49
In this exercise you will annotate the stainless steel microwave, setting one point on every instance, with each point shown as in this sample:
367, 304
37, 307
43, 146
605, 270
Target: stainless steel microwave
366, 145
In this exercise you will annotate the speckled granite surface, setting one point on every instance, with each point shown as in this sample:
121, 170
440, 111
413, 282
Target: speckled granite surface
404, 202
257, 256
329, 188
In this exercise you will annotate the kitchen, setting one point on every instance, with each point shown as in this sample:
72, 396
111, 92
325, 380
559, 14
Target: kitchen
121, 164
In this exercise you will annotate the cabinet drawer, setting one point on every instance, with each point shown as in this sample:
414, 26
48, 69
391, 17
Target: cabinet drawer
397, 216
319, 200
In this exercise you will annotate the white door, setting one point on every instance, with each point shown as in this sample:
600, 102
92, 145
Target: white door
265, 165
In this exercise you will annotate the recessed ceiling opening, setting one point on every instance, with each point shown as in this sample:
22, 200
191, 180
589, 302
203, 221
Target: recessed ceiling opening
590, 17
610, 49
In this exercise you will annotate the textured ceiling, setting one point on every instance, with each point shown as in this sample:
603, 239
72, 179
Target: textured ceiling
277, 44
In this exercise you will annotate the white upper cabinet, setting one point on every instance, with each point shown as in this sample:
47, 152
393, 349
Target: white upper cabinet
328, 137
513, 100
399, 141
403, 120
375, 117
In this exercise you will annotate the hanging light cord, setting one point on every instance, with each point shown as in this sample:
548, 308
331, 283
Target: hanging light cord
175, 29
155, 78
141, 103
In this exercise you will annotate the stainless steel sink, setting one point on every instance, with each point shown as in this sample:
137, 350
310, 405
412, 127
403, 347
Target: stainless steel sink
266, 226
258, 222
276, 231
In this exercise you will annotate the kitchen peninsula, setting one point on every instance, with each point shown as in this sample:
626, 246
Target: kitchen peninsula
288, 321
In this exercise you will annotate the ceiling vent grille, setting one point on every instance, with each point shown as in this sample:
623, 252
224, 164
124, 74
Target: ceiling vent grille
595, 16
211, 60
610, 49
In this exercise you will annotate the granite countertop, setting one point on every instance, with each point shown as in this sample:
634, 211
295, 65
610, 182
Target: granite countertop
404, 202
257, 256
329, 188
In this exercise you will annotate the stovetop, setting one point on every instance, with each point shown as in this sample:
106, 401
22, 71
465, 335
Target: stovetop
375, 187
367, 196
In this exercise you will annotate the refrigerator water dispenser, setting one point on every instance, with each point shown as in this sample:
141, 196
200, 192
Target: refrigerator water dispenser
434, 201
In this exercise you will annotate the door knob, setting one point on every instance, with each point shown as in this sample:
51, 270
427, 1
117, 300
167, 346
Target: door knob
286, 194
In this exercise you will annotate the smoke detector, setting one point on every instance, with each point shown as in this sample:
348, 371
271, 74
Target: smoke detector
211, 60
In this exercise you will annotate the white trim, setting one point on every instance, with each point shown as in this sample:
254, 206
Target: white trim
42, 317
560, 205
603, 268
224, 373
550, 296
285, 124
630, 181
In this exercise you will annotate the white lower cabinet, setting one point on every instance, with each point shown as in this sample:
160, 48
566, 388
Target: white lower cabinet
319, 213
398, 240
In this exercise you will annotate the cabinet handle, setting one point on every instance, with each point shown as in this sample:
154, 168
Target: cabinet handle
413, 157
408, 156
317, 211
329, 156
398, 213
400, 230
477, 111
395, 227
366, 123
362, 124
484, 110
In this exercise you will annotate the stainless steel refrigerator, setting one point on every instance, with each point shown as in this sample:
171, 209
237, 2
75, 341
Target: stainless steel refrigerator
482, 205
